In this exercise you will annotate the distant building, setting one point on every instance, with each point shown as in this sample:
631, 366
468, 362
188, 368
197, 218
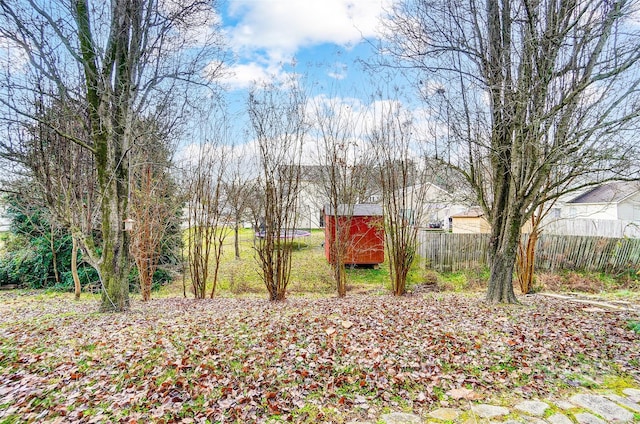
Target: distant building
470, 221
608, 210
617, 200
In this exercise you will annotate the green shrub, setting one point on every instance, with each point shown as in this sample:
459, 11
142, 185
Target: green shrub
27, 257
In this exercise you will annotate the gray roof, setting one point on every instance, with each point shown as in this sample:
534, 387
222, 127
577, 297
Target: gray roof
609, 193
362, 209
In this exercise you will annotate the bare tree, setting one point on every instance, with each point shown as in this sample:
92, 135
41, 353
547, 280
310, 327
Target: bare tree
118, 60
153, 201
278, 121
207, 215
539, 93
341, 171
239, 192
403, 187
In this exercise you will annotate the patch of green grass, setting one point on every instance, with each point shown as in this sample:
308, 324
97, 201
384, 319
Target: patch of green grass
11, 419
439, 392
617, 382
311, 274
371, 277
465, 280
8, 354
634, 326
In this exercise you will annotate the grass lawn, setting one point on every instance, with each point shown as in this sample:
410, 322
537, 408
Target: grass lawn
310, 276
306, 359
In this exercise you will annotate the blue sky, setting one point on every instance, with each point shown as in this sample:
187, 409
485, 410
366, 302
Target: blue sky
323, 37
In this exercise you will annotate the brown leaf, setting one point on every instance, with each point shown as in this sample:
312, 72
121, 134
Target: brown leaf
462, 393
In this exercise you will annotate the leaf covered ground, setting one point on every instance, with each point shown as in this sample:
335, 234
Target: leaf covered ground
301, 360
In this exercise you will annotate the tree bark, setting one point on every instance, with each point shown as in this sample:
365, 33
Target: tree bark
505, 239
54, 256
236, 239
74, 268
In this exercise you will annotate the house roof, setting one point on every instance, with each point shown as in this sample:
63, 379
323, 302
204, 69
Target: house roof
362, 209
472, 212
609, 193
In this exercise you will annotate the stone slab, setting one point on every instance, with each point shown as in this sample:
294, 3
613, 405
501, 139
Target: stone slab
445, 414
559, 419
532, 420
489, 411
603, 407
400, 418
625, 402
633, 394
586, 418
532, 407
564, 405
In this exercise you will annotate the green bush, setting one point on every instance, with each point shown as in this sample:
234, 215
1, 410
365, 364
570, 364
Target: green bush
27, 259
29, 263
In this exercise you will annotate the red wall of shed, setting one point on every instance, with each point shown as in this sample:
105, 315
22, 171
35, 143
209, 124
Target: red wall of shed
365, 245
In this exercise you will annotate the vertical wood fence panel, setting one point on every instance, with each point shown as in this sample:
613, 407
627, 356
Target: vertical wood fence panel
454, 252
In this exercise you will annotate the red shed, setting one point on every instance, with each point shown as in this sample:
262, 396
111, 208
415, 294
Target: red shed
365, 243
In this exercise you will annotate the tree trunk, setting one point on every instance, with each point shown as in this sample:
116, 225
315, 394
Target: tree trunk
236, 239
74, 267
114, 268
526, 262
502, 258
341, 277
54, 256
113, 182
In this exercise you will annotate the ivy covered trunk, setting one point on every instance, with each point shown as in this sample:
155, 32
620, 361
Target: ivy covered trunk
115, 261
110, 87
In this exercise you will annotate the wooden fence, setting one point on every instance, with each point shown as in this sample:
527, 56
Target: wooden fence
453, 252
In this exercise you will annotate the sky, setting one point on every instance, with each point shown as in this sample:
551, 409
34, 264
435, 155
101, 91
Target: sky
324, 38
322, 41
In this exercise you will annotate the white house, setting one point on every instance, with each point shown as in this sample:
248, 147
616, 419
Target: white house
608, 210
432, 205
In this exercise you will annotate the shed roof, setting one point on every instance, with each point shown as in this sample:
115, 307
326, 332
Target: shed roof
362, 209
609, 193
472, 212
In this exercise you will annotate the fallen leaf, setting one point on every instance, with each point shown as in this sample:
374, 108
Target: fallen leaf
462, 393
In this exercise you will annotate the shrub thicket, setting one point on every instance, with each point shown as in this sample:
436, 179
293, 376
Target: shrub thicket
30, 260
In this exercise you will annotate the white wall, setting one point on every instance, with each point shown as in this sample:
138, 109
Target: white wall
630, 208
311, 199
589, 210
593, 227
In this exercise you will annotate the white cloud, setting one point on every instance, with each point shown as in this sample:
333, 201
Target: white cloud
340, 71
12, 56
246, 75
268, 33
287, 25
